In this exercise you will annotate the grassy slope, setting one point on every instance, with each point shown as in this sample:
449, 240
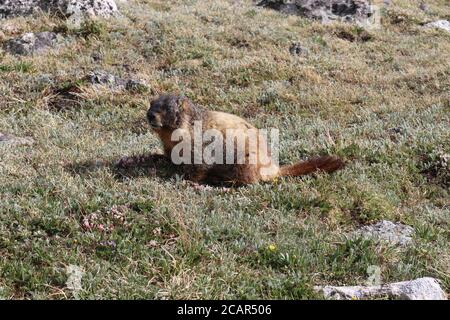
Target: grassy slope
382, 104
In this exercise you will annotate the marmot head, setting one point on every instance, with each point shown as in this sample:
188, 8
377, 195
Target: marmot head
165, 112
170, 111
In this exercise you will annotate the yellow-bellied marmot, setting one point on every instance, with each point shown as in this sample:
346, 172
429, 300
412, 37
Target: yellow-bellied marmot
171, 112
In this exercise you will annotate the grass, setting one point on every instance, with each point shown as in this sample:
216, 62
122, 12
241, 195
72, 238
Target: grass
20, 66
379, 98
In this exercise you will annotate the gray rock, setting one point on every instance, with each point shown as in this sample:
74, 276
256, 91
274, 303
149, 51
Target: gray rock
88, 8
424, 7
439, 24
136, 85
297, 49
394, 233
418, 289
12, 8
45, 79
73, 283
10, 140
96, 57
104, 78
100, 77
68, 8
30, 43
324, 10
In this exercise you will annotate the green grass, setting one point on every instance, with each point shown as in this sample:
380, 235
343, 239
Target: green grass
382, 104
21, 66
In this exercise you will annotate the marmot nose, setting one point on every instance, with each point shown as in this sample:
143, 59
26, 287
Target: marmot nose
151, 117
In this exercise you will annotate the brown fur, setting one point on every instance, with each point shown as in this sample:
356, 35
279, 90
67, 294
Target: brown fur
171, 112
325, 163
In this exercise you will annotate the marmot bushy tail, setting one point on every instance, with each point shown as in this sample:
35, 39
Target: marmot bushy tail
326, 163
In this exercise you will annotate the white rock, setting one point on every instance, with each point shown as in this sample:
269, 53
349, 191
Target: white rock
394, 233
440, 24
69, 8
419, 289
90, 8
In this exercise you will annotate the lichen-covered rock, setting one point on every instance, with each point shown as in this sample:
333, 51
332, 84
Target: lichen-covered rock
100, 77
324, 10
418, 289
439, 24
30, 43
12, 8
393, 233
68, 8
90, 8
9, 140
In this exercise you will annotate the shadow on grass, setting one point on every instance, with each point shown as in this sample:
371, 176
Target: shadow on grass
154, 165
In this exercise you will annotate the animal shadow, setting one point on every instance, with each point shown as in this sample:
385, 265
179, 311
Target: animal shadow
154, 165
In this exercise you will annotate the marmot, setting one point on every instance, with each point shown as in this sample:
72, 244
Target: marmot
171, 112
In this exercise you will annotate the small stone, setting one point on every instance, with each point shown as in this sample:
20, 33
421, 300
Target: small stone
45, 79
397, 130
108, 244
30, 43
418, 289
96, 57
296, 49
424, 7
135, 85
439, 24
